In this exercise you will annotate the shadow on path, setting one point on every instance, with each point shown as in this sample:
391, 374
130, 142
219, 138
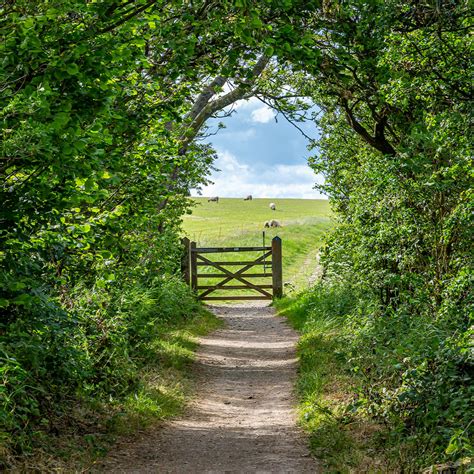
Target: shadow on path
242, 419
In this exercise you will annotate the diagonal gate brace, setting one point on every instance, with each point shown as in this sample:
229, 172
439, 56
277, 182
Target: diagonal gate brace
234, 276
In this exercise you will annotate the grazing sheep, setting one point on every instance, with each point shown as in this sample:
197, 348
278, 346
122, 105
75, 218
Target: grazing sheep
272, 223
248, 198
272, 206
213, 199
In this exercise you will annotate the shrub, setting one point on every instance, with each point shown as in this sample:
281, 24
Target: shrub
93, 353
413, 374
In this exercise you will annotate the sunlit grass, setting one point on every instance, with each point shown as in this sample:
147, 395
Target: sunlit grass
166, 385
237, 223
344, 441
232, 218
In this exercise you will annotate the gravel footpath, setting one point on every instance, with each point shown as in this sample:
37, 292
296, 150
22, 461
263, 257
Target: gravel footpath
242, 419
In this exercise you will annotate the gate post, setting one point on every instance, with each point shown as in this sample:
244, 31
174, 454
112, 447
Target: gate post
185, 260
193, 260
276, 268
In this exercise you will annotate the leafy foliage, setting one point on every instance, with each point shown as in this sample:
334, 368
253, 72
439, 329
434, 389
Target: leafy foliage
393, 91
101, 105
95, 170
379, 393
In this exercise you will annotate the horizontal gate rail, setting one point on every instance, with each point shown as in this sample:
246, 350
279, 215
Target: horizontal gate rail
229, 249
247, 275
271, 256
236, 276
233, 263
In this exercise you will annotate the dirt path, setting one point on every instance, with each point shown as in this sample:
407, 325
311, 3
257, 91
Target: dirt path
242, 419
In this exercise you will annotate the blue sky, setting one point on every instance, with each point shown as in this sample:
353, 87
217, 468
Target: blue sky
260, 156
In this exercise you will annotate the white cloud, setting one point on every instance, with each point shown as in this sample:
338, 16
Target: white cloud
249, 104
300, 171
253, 110
237, 179
228, 163
262, 115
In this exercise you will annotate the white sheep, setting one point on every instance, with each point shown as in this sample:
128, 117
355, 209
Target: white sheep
272, 206
272, 223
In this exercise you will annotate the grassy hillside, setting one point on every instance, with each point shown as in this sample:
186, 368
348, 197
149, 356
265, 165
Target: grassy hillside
235, 222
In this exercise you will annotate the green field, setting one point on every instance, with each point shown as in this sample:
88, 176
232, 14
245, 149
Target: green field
235, 222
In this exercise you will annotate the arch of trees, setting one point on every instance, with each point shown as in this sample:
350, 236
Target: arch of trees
103, 103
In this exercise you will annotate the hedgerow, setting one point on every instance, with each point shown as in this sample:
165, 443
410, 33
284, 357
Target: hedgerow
94, 353
101, 105
412, 376
394, 93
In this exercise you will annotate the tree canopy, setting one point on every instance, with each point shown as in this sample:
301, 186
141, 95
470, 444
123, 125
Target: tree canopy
102, 106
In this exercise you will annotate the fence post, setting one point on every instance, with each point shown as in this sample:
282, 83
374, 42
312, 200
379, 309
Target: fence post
276, 268
193, 260
185, 260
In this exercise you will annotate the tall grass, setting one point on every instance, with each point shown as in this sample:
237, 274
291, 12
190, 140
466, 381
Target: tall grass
380, 393
124, 359
341, 439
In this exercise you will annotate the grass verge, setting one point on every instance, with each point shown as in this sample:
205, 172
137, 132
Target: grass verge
342, 439
76, 441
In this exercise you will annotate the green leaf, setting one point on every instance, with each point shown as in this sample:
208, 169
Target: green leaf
4, 303
269, 51
22, 299
72, 69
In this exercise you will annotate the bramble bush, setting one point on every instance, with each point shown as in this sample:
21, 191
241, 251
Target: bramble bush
411, 375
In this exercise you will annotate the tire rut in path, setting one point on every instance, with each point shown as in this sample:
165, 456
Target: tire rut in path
242, 419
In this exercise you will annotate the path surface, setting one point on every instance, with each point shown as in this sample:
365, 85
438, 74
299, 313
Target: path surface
243, 418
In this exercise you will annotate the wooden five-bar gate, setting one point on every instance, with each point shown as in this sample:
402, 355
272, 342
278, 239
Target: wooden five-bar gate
194, 258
